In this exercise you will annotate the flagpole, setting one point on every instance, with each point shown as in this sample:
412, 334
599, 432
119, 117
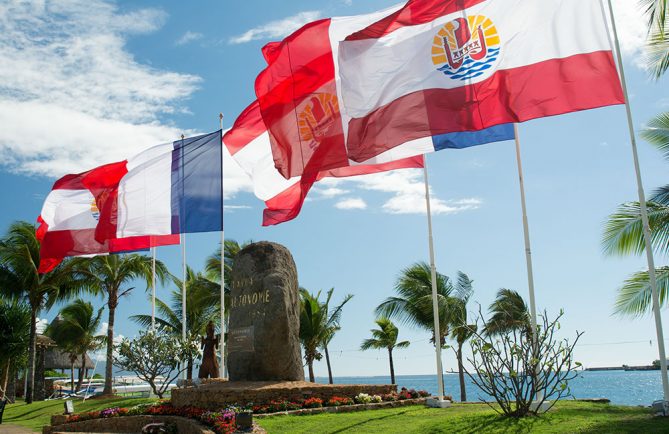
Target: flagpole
644, 218
528, 249
221, 344
182, 229
433, 270
153, 288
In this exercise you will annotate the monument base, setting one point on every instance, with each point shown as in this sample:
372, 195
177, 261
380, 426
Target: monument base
215, 394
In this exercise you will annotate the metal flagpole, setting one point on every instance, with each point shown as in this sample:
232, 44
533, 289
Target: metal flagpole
182, 229
435, 304
222, 342
644, 217
528, 250
153, 288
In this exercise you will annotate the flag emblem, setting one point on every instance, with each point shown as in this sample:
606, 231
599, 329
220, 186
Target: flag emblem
466, 48
95, 212
318, 118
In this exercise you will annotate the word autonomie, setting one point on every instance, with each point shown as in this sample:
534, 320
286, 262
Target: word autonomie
258, 297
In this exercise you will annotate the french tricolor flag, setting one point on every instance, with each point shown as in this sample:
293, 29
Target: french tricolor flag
142, 202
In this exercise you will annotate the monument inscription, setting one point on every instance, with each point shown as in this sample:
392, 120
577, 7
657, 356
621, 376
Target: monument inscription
263, 339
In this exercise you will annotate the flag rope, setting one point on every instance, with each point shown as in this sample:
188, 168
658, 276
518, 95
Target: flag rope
221, 344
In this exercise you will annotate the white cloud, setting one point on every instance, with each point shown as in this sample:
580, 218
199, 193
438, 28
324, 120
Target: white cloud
351, 203
408, 193
276, 29
188, 37
329, 192
40, 325
632, 29
71, 95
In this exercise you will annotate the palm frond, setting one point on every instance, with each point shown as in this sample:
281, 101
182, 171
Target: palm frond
623, 231
635, 296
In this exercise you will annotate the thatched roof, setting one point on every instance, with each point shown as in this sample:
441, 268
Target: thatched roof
44, 341
54, 358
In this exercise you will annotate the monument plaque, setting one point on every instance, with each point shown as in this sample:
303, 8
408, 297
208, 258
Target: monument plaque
264, 326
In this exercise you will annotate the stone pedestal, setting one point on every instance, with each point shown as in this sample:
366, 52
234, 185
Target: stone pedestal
264, 327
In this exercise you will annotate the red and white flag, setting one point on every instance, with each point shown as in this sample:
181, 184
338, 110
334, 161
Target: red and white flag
78, 207
436, 66
249, 144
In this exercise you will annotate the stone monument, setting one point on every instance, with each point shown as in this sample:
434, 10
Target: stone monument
264, 327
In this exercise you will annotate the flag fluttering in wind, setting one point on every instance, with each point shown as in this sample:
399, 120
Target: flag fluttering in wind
299, 101
71, 215
433, 67
145, 201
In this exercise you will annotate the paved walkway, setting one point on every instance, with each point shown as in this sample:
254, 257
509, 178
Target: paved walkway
14, 429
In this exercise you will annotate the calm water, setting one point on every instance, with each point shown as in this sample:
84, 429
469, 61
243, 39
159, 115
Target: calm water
621, 387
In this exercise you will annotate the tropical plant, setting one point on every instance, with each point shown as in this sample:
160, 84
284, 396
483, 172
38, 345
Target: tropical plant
508, 313
213, 265
385, 337
110, 277
317, 324
199, 310
332, 326
75, 331
657, 47
522, 374
14, 339
413, 303
461, 330
20, 280
155, 357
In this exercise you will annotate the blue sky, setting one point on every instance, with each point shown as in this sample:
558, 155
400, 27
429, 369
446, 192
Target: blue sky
87, 82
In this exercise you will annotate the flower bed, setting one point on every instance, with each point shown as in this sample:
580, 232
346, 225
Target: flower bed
223, 421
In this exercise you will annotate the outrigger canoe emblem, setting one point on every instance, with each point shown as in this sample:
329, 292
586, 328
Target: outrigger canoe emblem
466, 48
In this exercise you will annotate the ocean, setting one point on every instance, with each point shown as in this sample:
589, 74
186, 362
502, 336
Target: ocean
621, 387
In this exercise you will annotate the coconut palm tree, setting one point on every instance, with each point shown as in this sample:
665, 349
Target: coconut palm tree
332, 326
413, 303
508, 313
213, 265
385, 337
110, 277
14, 338
461, 331
20, 280
199, 309
75, 330
623, 233
658, 37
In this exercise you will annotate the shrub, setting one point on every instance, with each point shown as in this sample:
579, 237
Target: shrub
363, 398
392, 396
312, 403
376, 398
337, 401
424, 394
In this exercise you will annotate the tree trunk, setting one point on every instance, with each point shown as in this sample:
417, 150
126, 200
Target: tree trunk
31, 356
461, 374
310, 363
4, 379
11, 387
72, 375
82, 371
392, 366
189, 368
110, 344
327, 360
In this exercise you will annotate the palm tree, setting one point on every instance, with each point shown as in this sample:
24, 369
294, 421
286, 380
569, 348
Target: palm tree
658, 41
461, 331
14, 339
385, 337
20, 280
413, 303
213, 265
623, 233
199, 309
76, 332
109, 276
315, 329
332, 326
508, 313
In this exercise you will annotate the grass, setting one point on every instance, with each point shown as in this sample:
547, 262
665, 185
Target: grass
38, 414
565, 417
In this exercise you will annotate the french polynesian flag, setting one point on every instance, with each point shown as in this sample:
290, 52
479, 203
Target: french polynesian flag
145, 201
438, 66
299, 102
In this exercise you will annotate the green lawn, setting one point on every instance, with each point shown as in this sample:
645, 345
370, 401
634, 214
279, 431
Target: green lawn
566, 417
39, 413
